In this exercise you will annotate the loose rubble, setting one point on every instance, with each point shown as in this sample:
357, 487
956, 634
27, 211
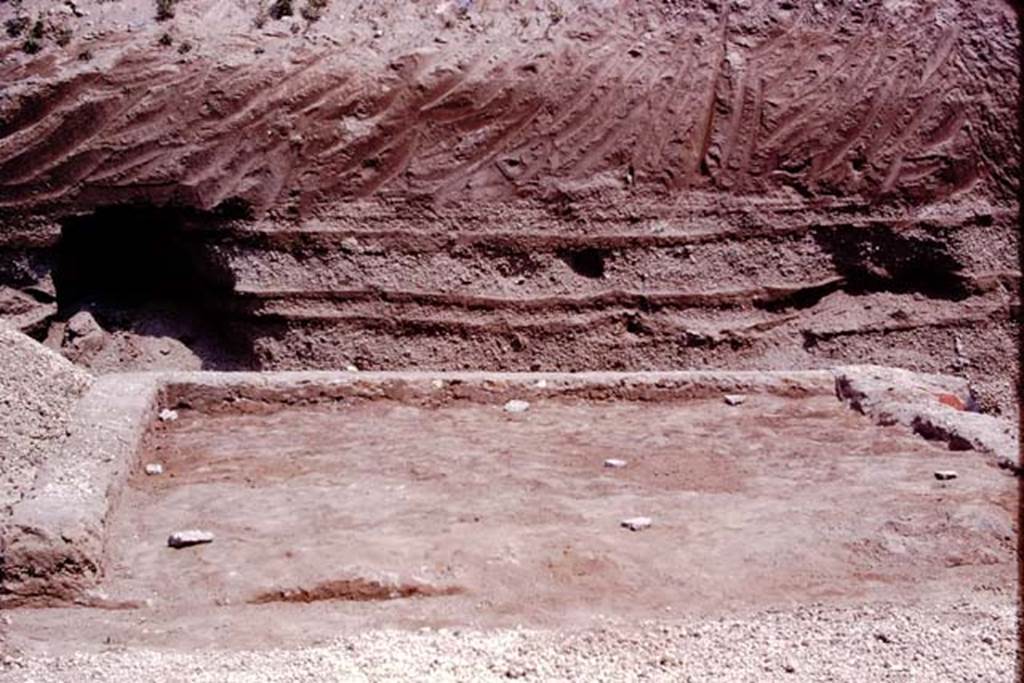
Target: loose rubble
38, 389
945, 475
154, 468
189, 537
168, 415
818, 643
734, 399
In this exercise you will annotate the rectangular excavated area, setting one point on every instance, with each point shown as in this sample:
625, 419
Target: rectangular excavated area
353, 502
399, 514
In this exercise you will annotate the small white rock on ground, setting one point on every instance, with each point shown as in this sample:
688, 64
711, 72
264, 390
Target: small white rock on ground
517, 406
154, 468
637, 523
734, 399
168, 415
945, 475
955, 641
614, 463
183, 539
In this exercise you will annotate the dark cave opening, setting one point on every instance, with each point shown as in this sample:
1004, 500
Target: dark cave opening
146, 271
130, 257
881, 259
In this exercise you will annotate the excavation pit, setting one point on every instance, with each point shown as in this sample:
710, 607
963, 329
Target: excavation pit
390, 501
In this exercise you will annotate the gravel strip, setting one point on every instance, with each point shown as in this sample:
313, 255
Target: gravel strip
961, 642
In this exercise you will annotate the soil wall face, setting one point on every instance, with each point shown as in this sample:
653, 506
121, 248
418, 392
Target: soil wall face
517, 185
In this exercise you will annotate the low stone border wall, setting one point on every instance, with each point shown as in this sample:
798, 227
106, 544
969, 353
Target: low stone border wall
52, 545
217, 392
934, 406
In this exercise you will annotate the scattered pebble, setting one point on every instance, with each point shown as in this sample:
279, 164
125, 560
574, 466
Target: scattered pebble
351, 368
183, 539
351, 244
517, 406
168, 415
615, 463
154, 468
734, 399
637, 523
541, 384
945, 475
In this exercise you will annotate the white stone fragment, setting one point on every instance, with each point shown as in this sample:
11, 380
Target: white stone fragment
183, 539
351, 368
734, 399
517, 406
541, 384
614, 463
154, 468
168, 415
945, 475
637, 523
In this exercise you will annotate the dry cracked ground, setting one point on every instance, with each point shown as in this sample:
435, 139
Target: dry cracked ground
528, 186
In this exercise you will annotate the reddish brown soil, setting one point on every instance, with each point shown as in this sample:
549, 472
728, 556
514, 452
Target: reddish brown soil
847, 100
383, 514
530, 185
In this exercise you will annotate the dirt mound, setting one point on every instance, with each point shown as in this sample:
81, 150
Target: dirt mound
37, 391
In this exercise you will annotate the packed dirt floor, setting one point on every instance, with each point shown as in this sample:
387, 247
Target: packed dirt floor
433, 527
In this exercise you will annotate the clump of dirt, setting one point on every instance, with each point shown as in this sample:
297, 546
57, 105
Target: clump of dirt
355, 589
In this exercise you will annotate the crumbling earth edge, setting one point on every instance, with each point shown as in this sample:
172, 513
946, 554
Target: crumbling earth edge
923, 402
51, 546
